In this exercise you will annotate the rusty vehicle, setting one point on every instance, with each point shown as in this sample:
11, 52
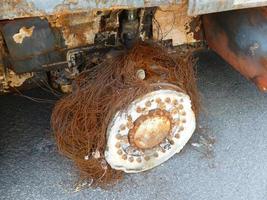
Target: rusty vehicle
54, 41
43, 40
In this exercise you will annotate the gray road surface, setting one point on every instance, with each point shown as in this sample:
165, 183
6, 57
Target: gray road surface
225, 160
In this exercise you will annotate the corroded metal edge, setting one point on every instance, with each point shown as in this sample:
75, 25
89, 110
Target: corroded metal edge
200, 7
10, 9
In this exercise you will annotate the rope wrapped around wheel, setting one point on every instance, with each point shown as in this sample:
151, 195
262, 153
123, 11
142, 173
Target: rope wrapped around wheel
128, 114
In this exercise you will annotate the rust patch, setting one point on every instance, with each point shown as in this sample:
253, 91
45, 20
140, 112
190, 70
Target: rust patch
16, 80
172, 22
18, 8
224, 39
150, 130
9, 79
22, 34
25, 8
78, 29
72, 1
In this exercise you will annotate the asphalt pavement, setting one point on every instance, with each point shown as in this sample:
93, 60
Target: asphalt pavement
225, 160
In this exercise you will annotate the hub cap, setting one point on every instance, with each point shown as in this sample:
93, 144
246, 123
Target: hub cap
150, 130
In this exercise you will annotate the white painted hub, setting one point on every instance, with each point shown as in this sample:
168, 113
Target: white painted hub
127, 150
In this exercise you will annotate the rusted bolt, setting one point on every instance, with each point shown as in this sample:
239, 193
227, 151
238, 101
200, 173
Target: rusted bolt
147, 158
118, 145
131, 159
148, 104
124, 157
168, 100
119, 152
118, 136
122, 127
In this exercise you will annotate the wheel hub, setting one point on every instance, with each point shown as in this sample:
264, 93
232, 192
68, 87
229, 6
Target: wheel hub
150, 131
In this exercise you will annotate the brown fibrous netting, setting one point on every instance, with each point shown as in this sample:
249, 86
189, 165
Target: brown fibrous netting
80, 119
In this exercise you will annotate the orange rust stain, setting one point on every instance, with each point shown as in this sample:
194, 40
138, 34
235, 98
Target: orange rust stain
72, 1
246, 66
172, 22
21, 8
78, 29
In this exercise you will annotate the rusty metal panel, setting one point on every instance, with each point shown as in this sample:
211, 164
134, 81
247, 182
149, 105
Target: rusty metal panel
32, 43
77, 29
240, 38
10, 9
198, 7
178, 27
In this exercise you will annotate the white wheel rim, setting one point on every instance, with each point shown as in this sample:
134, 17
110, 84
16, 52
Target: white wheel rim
127, 149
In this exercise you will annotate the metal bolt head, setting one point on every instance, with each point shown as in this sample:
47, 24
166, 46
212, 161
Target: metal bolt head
131, 159
141, 74
119, 152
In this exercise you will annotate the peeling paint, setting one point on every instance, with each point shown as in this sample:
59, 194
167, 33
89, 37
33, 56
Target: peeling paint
78, 29
11, 9
72, 1
22, 34
9, 79
16, 80
199, 7
172, 22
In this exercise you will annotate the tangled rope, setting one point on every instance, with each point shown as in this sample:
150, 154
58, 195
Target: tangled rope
80, 119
